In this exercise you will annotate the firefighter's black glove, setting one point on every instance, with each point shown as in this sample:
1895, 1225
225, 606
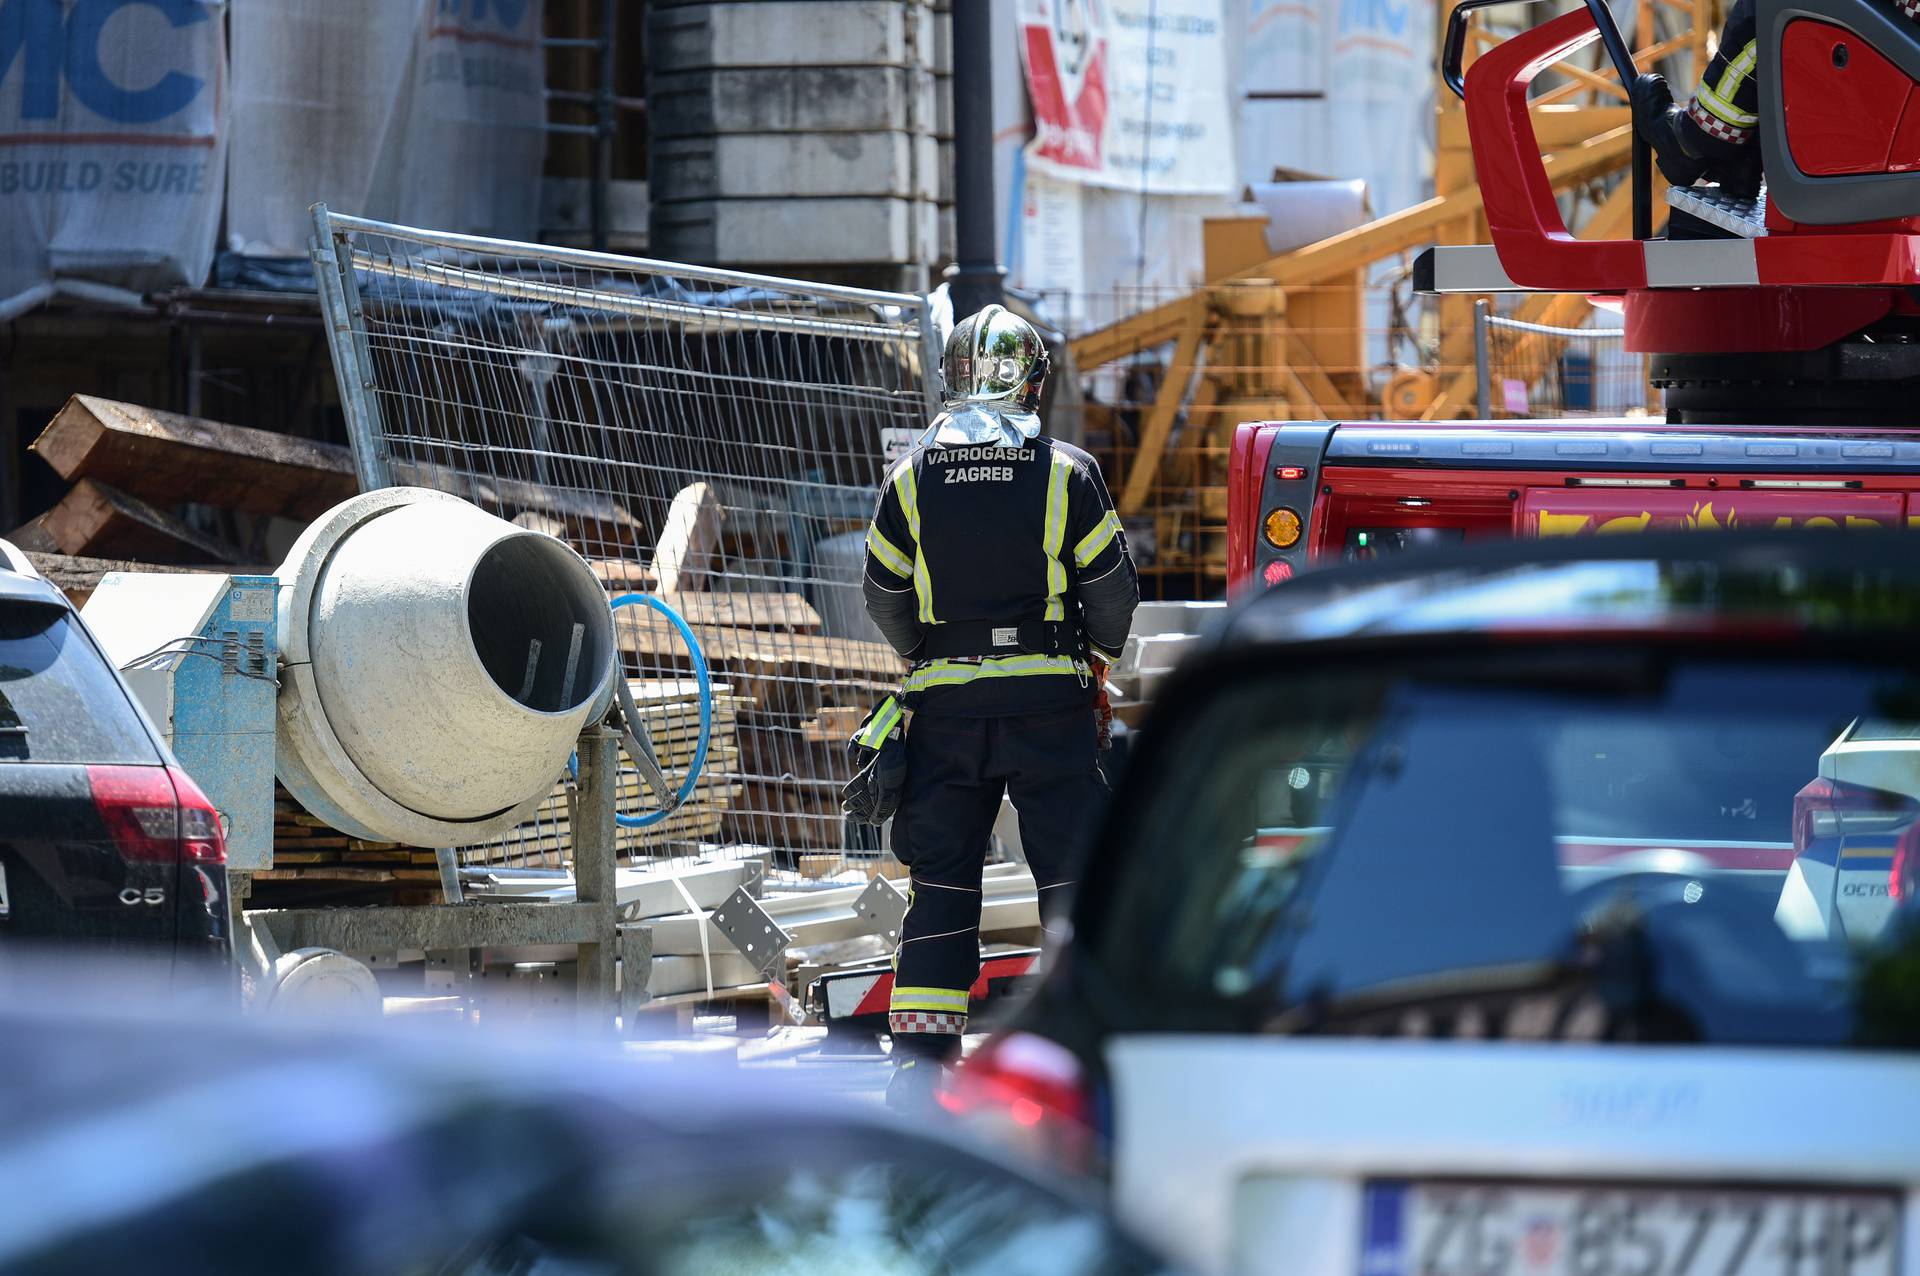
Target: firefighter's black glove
877, 754
1662, 124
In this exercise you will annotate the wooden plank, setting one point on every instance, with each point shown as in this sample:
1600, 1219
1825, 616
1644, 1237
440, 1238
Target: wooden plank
685, 553
589, 518
166, 457
99, 520
619, 575
78, 577
789, 613
1159, 424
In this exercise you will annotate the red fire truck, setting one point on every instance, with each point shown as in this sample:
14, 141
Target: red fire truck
1785, 330
1302, 492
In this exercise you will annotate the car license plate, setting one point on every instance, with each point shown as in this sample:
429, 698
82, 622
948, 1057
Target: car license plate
1528, 1229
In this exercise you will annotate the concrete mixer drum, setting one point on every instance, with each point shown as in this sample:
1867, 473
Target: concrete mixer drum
438, 664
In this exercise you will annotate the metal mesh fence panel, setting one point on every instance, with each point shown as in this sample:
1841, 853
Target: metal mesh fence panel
1536, 370
713, 438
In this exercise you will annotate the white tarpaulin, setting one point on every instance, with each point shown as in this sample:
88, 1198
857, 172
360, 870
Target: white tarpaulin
1131, 94
112, 144
425, 112
1341, 87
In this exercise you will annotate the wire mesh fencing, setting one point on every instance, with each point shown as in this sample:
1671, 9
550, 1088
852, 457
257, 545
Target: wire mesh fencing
1532, 370
712, 438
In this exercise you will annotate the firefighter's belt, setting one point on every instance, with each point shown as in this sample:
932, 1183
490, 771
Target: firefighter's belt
964, 638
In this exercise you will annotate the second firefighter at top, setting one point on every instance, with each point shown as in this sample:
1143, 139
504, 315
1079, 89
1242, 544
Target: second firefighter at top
997, 566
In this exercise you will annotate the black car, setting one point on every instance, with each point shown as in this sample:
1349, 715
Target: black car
1468, 864
104, 840
139, 1138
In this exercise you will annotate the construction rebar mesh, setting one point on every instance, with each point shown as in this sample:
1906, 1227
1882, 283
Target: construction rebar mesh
710, 438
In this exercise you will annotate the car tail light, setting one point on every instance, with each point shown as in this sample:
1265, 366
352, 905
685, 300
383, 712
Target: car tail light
202, 840
1031, 1089
138, 806
1829, 808
157, 814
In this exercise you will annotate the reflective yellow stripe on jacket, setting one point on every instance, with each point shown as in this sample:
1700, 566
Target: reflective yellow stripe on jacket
887, 554
1055, 536
951, 1001
954, 673
907, 487
1718, 98
1096, 540
880, 725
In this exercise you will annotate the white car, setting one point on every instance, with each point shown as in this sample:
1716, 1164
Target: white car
1855, 830
1505, 997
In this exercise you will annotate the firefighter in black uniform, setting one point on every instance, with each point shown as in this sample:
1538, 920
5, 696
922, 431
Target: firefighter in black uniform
1713, 135
996, 565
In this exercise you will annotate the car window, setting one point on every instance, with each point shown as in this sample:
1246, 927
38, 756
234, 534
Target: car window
1350, 847
1881, 729
59, 702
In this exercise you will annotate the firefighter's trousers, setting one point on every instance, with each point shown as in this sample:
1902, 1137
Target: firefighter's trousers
957, 770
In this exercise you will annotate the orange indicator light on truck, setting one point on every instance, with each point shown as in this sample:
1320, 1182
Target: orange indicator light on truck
1291, 472
1282, 528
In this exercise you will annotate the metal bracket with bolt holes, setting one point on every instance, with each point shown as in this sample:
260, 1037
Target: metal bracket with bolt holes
883, 906
448, 970
752, 930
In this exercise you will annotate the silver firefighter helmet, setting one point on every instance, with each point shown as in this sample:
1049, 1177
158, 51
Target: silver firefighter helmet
989, 356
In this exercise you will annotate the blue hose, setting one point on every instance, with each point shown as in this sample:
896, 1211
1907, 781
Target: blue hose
706, 710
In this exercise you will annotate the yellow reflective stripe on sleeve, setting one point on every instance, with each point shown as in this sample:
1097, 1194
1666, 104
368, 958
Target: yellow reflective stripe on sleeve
952, 1000
954, 673
888, 554
1096, 540
1718, 98
885, 718
908, 489
1055, 536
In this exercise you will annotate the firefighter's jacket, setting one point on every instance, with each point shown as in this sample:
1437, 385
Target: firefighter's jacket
1726, 103
998, 536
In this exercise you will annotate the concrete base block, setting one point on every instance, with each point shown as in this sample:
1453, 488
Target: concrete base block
787, 33
792, 232
778, 165
804, 99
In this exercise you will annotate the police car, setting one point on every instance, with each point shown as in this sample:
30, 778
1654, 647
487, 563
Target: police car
1433, 931
1856, 834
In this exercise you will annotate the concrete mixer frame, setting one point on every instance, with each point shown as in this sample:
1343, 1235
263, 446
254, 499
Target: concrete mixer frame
706, 436
277, 938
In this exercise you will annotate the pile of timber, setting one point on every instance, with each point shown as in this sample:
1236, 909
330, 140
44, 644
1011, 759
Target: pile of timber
306, 849
671, 709
134, 471
799, 694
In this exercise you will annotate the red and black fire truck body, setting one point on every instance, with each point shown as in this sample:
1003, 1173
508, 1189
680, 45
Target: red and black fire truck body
1306, 492
1784, 331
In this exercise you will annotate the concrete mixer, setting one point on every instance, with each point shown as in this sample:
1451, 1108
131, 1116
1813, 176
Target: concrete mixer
436, 669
